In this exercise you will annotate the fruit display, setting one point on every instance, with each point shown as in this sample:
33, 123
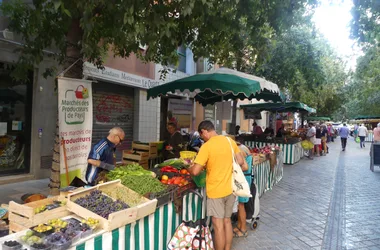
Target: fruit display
57, 223
42, 228
29, 238
43, 208
176, 180
264, 150
41, 246
58, 241
90, 222
11, 244
101, 204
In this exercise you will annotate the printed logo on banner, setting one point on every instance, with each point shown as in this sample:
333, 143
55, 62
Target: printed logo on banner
75, 127
75, 106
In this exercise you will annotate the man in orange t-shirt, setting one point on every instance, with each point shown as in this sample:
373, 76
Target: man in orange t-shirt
216, 157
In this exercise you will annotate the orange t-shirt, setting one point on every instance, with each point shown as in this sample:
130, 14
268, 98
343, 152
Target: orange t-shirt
216, 156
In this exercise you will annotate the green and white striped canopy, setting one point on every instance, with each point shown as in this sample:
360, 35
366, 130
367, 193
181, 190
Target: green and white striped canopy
279, 107
220, 84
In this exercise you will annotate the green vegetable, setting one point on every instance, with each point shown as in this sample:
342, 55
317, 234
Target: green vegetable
176, 163
142, 184
130, 169
136, 178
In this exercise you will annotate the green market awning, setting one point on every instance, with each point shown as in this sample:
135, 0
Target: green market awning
366, 117
251, 109
220, 84
317, 118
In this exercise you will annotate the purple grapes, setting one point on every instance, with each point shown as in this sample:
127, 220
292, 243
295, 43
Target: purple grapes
100, 204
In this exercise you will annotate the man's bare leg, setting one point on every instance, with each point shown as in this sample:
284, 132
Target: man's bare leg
219, 233
228, 233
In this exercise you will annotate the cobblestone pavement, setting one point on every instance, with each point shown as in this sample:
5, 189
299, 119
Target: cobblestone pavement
330, 202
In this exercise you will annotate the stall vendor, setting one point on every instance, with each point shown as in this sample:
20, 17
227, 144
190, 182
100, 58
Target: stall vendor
102, 156
281, 131
257, 130
174, 143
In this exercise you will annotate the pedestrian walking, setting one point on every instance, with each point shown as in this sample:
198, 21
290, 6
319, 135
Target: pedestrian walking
101, 158
344, 132
310, 135
324, 133
363, 133
216, 157
356, 131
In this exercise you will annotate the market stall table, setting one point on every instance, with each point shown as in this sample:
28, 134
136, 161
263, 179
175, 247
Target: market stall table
292, 149
151, 232
265, 177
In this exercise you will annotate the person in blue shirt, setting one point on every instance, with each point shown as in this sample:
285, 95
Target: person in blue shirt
343, 133
241, 228
102, 156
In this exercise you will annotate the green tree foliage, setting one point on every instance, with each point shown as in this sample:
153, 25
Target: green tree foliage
364, 87
365, 26
302, 62
228, 32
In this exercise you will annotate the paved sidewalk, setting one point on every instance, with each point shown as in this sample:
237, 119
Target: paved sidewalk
14, 191
330, 202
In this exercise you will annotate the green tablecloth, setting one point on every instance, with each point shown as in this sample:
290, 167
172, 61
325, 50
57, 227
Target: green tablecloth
151, 232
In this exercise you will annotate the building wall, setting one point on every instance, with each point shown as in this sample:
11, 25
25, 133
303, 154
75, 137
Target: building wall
44, 114
132, 65
147, 117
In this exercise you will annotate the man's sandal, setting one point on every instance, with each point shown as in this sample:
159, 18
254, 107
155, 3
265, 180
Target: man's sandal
243, 234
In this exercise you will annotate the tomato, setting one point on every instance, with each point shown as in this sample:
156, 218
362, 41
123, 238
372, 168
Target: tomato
177, 181
184, 171
164, 182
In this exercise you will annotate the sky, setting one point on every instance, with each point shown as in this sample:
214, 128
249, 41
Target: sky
333, 18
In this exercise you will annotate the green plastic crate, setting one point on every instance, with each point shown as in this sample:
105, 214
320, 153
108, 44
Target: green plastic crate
200, 180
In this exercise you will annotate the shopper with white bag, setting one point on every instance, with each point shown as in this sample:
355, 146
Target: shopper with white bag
216, 157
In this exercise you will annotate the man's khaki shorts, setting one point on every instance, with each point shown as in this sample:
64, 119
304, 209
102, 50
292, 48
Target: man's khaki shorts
221, 207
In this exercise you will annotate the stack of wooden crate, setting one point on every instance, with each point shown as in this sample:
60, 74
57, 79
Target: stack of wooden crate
23, 216
150, 148
141, 153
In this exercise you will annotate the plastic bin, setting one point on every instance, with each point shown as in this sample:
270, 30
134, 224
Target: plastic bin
5, 247
48, 247
187, 155
200, 180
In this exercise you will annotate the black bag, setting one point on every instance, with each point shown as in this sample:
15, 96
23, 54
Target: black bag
250, 205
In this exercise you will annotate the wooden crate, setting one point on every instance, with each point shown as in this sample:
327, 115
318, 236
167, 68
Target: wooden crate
23, 214
142, 158
15, 227
150, 148
117, 219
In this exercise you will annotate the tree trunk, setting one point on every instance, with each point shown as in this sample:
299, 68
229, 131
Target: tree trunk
72, 69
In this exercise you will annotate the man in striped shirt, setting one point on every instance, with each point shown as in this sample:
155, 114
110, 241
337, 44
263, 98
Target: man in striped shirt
102, 155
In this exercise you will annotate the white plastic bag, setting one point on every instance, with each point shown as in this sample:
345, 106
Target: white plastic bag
240, 185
